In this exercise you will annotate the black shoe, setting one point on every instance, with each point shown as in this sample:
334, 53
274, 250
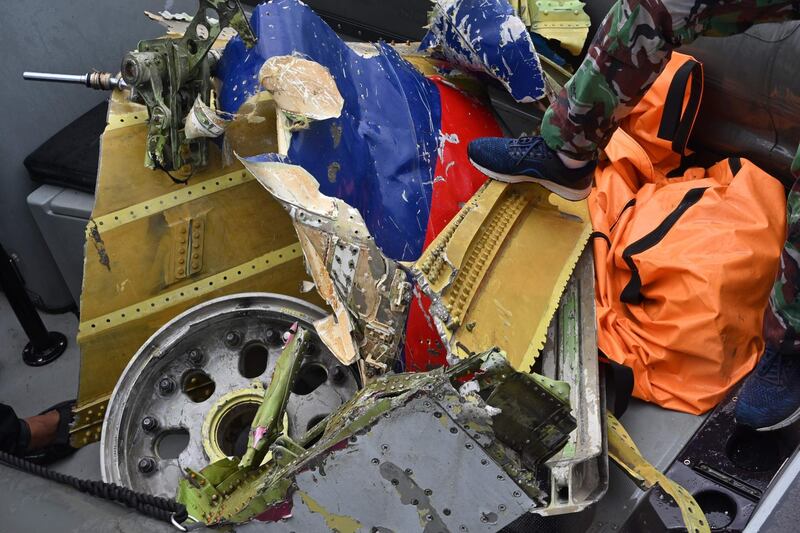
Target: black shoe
529, 159
770, 396
60, 448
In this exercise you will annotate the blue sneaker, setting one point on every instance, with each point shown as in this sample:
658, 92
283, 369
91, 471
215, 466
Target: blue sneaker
770, 396
529, 159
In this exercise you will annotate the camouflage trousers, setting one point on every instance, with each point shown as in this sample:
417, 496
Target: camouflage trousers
628, 53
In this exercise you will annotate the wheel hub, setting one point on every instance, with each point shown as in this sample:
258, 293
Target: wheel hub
188, 396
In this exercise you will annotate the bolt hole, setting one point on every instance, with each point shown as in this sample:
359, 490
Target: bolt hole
309, 378
169, 444
253, 360
197, 385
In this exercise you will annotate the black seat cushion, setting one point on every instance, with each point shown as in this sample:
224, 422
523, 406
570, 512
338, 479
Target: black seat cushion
69, 158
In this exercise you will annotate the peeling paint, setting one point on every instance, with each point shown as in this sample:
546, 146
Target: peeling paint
367, 292
487, 36
302, 87
336, 522
333, 168
336, 135
99, 245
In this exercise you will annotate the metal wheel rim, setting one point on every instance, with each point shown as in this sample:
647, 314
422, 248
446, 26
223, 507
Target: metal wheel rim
125, 442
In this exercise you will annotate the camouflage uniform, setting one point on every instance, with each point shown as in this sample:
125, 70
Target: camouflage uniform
628, 53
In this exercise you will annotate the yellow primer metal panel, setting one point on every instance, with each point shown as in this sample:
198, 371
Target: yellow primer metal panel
189, 292
562, 20
123, 120
162, 247
171, 199
496, 273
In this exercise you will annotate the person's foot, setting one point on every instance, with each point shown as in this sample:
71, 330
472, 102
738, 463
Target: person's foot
529, 159
770, 396
49, 434
43, 429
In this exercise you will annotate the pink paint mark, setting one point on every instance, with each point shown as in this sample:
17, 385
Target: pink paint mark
258, 434
290, 333
277, 512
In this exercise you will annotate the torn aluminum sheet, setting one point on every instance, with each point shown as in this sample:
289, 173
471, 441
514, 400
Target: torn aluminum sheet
487, 36
380, 155
301, 87
481, 297
478, 472
202, 121
367, 292
397, 153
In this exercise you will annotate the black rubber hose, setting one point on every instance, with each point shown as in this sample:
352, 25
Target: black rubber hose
156, 507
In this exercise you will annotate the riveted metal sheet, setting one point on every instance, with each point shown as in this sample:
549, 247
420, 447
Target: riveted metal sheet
471, 272
133, 253
163, 202
189, 292
448, 484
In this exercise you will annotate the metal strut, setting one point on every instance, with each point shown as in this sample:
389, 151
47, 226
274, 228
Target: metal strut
44, 346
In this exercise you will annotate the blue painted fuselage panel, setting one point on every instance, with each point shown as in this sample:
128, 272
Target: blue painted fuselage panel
379, 156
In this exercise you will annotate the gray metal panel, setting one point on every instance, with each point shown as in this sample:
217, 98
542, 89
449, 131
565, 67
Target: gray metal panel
61, 215
418, 473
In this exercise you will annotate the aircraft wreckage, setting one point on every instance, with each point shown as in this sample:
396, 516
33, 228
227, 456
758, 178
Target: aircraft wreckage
303, 308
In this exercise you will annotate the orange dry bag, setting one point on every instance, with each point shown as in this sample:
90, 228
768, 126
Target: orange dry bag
685, 257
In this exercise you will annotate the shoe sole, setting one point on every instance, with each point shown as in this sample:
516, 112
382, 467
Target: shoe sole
573, 195
794, 417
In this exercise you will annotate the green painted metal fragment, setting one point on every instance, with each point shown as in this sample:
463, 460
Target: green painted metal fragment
268, 422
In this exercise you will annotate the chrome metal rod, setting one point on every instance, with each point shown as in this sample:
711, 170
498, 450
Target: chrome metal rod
103, 81
58, 78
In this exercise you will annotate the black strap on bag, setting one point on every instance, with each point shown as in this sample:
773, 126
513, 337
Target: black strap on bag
632, 293
676, 124
601, 235
631, 203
